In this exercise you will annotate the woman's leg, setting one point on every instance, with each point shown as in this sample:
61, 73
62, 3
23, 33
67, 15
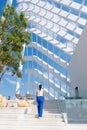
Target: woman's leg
38, 105
41, 106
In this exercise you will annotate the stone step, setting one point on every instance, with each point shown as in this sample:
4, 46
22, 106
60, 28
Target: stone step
14, 118
27, 109
31, 122
32, 127
6, 116
31, 115
27, 120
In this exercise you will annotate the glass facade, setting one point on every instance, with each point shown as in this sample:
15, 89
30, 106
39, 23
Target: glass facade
55, 28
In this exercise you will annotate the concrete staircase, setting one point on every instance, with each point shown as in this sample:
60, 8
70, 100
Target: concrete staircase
14, 118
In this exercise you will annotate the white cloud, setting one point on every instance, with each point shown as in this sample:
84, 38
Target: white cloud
11, 81
1, 82
22, 84
8, 73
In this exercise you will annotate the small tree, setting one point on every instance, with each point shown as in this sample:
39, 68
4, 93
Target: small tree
13, 36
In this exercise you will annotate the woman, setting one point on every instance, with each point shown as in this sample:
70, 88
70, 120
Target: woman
40, 100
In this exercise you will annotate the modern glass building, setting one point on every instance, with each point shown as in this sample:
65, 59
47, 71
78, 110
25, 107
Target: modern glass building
56, 27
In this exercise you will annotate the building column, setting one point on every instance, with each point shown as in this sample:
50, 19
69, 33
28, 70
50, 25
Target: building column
19, 79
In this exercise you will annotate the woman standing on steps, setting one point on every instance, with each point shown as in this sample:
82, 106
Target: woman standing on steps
40, 100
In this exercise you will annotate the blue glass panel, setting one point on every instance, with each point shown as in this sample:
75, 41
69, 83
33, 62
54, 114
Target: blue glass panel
63, 40
85, 3
80, 26
70, 32
34, 51
45, 58
56, 51
57, 5
39, 40
25, 52
40, 68
44, 43
30, 65
29, 51
78, 1
75, 12
33, 37
25, 65
50, 62
65, 8
83, 16
34, 64
39, 54
49, 1
50, 47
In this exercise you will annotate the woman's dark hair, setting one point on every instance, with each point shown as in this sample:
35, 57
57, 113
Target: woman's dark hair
76, 87
40, 87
